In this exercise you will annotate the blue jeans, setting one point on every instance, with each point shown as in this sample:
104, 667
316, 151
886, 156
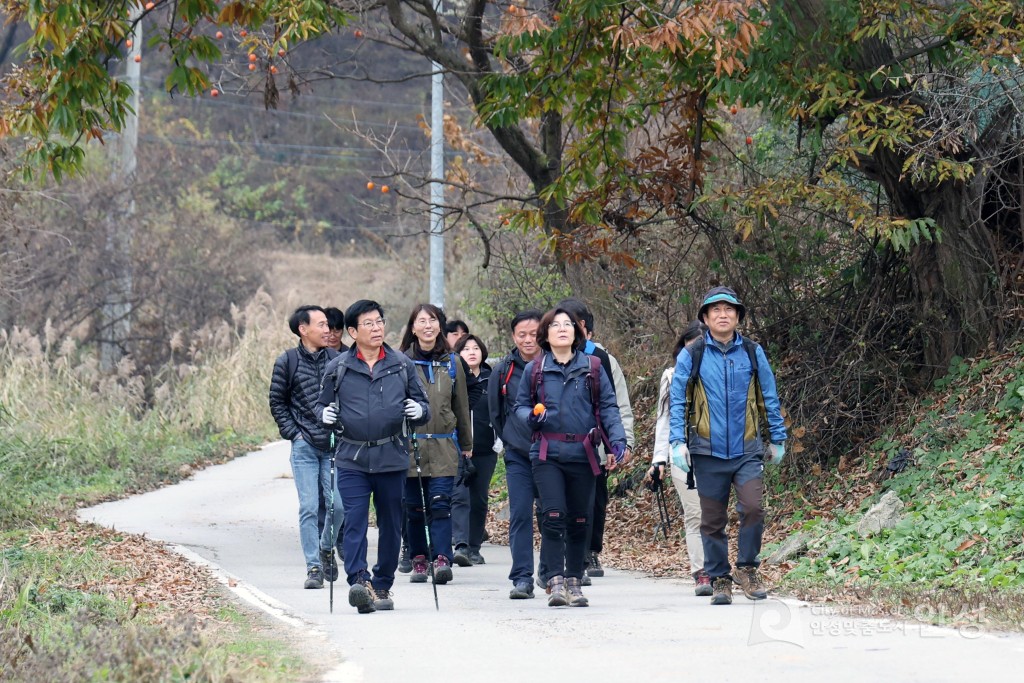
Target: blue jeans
519, 476
311, 469
438, 492
386, 488
715, 479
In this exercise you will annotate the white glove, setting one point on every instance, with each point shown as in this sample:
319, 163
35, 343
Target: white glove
413, 410
330, 414
498, 446
681, 456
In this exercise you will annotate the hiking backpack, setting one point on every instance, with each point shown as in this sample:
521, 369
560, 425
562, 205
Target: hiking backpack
596, 436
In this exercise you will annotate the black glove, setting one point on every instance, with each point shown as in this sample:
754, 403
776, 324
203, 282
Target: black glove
653, 482
468, 474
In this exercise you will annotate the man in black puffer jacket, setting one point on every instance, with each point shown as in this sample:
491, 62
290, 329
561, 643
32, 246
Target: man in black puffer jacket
294, 388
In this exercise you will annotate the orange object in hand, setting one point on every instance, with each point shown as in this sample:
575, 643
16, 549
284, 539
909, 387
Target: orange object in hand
538, 409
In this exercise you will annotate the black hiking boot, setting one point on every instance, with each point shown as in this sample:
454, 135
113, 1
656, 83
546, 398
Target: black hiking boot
594, 567
574, 593
476, 558
722, 588
330, 566
521, 590
361, 596
750, 581
314, 578
404, 561
585, 581
556, 592
462, 557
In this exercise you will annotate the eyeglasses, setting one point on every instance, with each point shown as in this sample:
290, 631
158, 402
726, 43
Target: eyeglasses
370, 324
424, 322
567, 325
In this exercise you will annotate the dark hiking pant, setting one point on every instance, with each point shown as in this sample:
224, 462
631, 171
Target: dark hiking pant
566, 502
715, 479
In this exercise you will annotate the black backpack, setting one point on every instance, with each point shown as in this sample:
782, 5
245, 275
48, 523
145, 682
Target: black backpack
696, 351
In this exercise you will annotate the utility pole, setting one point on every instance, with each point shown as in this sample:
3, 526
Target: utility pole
437, 181
117, 307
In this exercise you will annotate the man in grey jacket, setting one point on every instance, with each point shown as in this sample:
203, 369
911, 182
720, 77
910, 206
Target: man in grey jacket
370, 395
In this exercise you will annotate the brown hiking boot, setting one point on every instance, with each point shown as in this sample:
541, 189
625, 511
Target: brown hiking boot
722, 591
574, 593
556, 592
750, 581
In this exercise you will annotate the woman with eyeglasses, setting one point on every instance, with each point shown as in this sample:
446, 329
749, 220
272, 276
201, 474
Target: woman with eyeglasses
566, 399
443, 440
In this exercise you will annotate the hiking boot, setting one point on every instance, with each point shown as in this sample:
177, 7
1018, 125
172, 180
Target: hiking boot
594, 567
585, 581
442, 570
419, 569
750, 581
703, 582
722, 591
404, 563
330, 567
476, 558
574, 593
361, 596
314, 578
486, 536
556, 592
521, 590
382, 600
461, 557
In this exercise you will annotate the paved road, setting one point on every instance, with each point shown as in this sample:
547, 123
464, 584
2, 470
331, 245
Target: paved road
241, 517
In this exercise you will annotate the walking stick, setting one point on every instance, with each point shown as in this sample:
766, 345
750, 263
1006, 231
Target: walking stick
423, 500
330, 520
657, 487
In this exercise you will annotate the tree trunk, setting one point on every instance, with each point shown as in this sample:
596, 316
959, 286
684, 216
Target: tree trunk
954, 274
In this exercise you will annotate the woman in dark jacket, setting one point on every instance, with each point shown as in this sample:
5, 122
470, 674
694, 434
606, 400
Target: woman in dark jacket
442, 440
557, 400
477, 473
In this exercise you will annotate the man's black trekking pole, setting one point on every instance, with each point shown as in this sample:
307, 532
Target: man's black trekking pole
330, 520
423, 500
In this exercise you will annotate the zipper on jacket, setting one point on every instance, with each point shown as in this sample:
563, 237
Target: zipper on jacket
726, 368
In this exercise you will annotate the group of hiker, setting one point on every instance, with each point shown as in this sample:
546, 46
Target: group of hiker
419, 430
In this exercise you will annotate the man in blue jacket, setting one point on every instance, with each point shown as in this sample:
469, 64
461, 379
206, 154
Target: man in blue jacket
720, 436
369, 395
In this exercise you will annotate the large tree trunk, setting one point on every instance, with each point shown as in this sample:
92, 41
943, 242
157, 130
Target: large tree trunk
954, 274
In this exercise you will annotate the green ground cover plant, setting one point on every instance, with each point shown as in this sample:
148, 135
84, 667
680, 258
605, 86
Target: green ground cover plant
959, 546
